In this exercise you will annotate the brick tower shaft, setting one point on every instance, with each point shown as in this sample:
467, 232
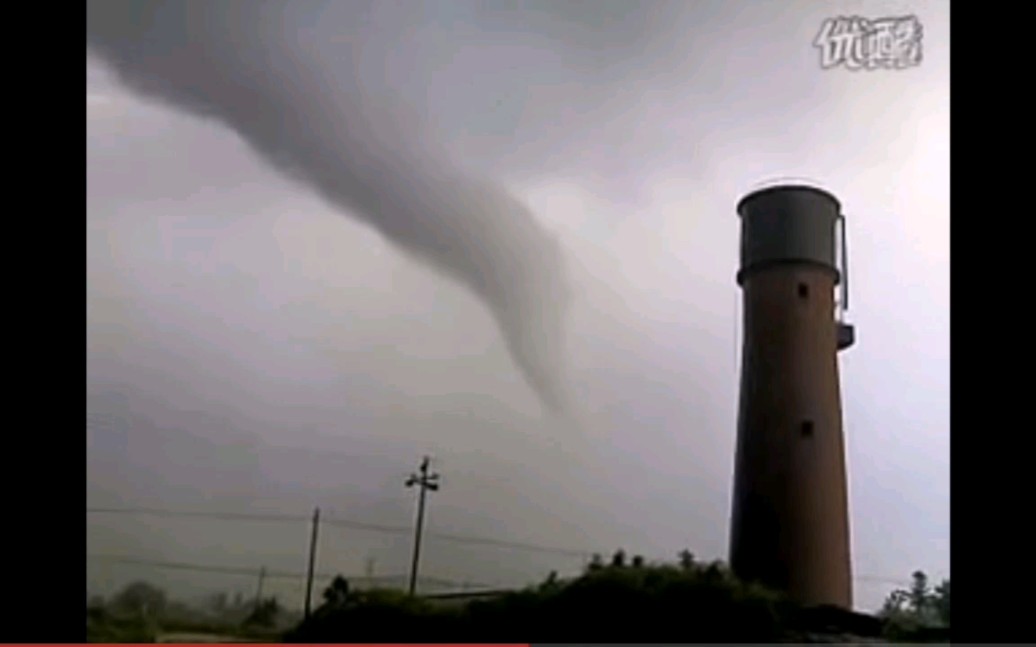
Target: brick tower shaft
790, 523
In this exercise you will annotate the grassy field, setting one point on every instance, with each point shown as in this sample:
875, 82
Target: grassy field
200, 638
116, 630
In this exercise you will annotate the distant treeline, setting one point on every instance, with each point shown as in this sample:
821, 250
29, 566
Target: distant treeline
141, 611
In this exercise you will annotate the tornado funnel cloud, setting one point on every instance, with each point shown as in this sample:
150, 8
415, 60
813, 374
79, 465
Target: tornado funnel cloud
251, 66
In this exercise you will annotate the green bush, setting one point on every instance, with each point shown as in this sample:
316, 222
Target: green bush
109, 629
919, 613
614, 603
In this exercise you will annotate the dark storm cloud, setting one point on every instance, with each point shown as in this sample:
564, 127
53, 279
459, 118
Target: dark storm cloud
250, 66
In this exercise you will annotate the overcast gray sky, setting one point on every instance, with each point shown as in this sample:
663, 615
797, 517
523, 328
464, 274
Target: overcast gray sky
252, 347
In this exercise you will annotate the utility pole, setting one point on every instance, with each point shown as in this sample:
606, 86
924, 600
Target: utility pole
259, 591
424, 482
312, 560
369, 571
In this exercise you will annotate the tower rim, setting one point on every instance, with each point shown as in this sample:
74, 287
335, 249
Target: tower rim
789, 186
745, 273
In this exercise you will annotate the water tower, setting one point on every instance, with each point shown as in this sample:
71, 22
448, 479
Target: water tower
790, 523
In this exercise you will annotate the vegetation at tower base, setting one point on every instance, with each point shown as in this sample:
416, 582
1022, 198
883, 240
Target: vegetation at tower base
616, 600
919, 613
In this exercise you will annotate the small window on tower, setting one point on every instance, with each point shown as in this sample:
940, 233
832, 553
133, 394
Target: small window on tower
803, 290
807, 429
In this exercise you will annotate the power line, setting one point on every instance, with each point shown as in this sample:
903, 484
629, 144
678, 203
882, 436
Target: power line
396, 530
250, 572
342, 523
222, 516
875, 579
204, 568
571, 552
